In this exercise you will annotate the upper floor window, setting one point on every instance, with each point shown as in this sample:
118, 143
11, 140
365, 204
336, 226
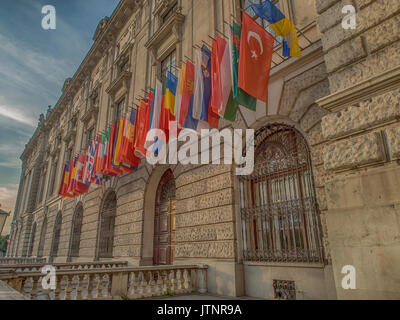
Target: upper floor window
246, 6
119, 109
169, 64
170, 12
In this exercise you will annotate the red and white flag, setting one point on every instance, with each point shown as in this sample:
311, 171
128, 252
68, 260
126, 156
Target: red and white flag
256, 48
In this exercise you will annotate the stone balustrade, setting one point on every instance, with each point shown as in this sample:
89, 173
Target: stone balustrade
36, 267
8, 261
116, 283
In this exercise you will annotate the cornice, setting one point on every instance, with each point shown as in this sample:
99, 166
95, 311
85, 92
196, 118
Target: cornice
373, 86
172, 25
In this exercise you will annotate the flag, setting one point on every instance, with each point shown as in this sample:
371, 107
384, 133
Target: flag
64, 183
240, 96
170, 93
207, 113
128, 154
80, 186
281, 25
256, 46
231, 106
151, 94
216, 96
142, 124
179, 91
198, 87
117, 147
226, 74
109, 167
186, 112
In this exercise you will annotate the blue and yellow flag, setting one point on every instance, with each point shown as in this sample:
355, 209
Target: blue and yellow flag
281, 25
170, 93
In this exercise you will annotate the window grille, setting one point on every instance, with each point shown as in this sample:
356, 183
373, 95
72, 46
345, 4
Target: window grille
56, 235
76, 231
108, 214
42, 238
279, 211
32, 240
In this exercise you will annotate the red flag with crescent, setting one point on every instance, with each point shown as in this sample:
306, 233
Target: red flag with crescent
256, 48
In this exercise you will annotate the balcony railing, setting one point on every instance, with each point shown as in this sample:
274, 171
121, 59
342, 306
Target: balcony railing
116, 283
21, 261
36, 267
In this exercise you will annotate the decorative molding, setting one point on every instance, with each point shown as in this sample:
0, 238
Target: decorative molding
373, 86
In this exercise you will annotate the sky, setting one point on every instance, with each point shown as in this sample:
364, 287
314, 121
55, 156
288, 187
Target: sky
34, 64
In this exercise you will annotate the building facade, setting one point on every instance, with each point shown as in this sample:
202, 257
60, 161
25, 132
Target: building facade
324, 192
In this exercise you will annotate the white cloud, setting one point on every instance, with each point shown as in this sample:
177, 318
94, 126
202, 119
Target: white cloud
16, 115
8, 194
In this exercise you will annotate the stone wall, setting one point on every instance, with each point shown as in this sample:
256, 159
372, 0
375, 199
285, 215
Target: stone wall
361, 145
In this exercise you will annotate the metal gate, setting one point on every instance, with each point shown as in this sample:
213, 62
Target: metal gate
164, 221
279, 211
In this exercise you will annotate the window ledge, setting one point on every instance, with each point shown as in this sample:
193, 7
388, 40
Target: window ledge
284, 264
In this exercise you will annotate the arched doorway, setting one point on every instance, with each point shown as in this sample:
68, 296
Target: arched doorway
32, 240
56, 235
76, 231
279, 211
107, 219
164, 221
42, 238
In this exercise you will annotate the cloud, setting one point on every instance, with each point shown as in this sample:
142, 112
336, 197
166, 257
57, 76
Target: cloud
8, 194
17, 115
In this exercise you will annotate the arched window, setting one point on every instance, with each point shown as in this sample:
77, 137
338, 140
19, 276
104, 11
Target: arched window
19, 244
164, 221
32, 240
56, 235
107, 217
76, 231
280, 217
42, 238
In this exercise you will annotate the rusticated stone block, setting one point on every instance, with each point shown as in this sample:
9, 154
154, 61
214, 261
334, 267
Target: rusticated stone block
362, 3
333, 15
221, 250
374, 64
129, 218
129, 228
374, 111
393, 135
353, 152
87, 235
126, 251
322, 5
295, 85
315, 135
383, 34
307, 98
205, 217
216, 183
130, 207
317, 153
313, 115
199, 173
209, 200
205, 233
89, 226
127, 239
346, 53
366, 18
130, 197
